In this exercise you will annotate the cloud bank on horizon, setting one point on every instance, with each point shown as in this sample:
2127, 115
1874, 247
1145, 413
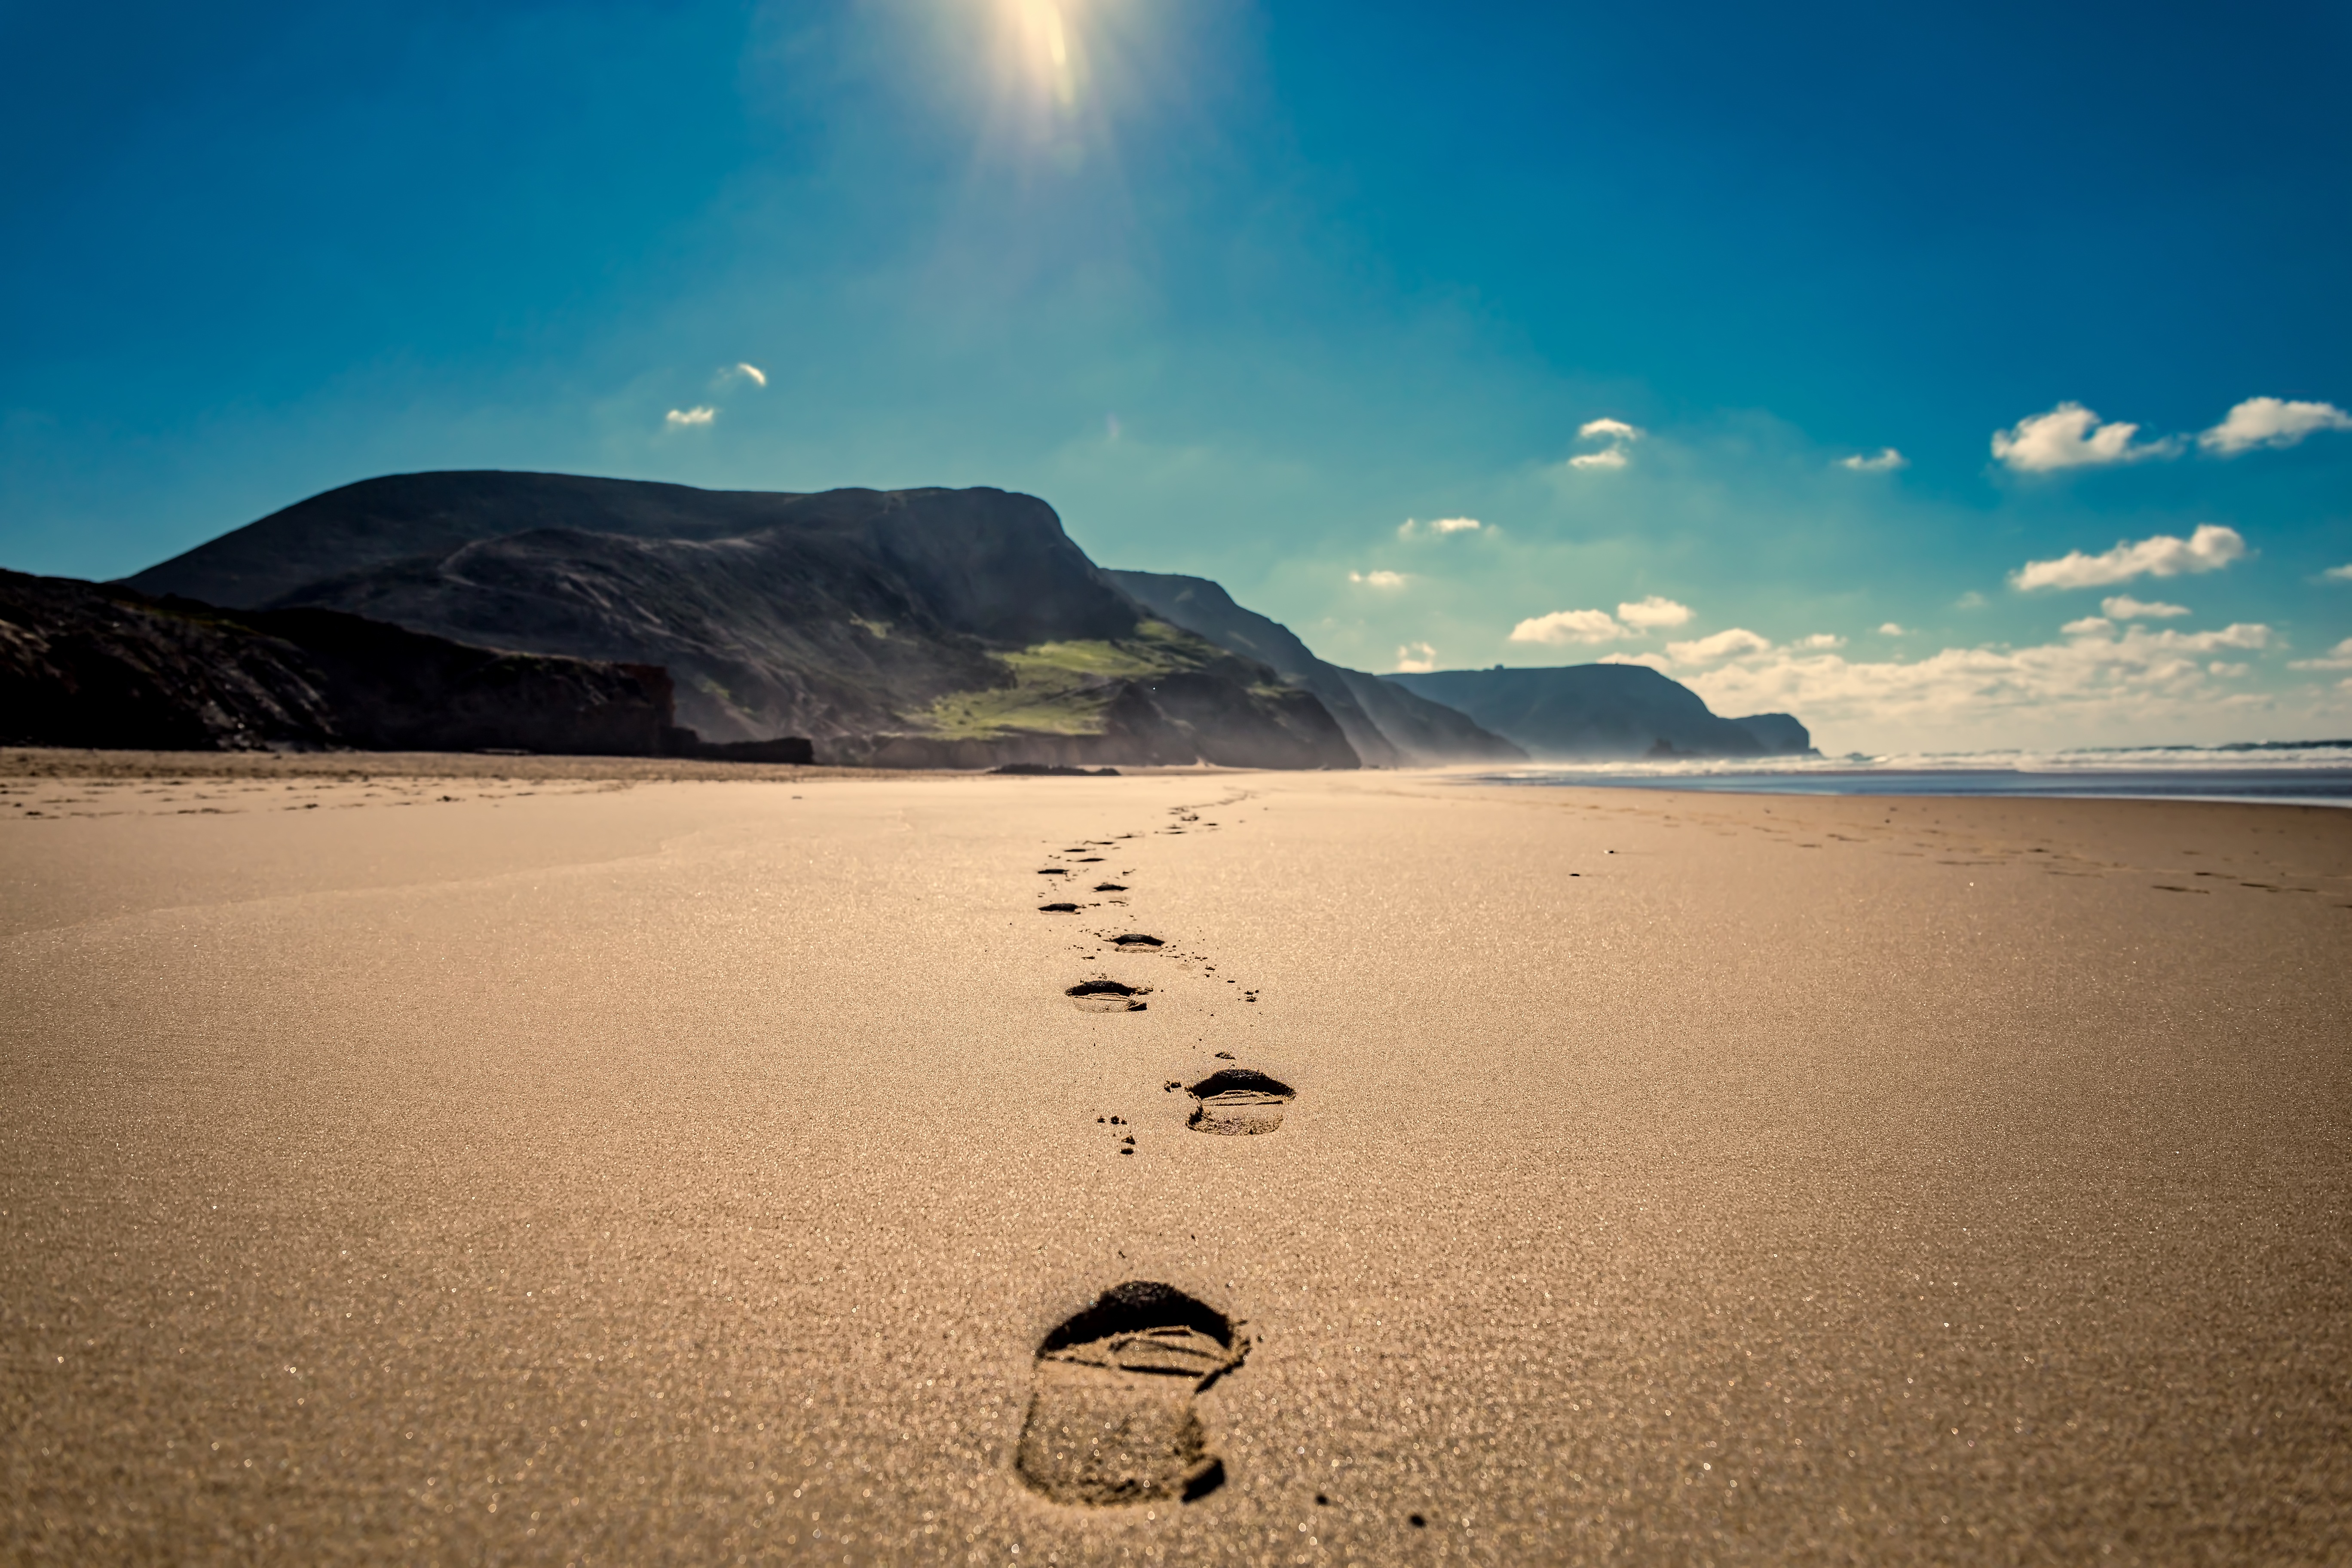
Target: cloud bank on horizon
1862, 409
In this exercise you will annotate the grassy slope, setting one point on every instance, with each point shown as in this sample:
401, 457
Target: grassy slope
1062, 688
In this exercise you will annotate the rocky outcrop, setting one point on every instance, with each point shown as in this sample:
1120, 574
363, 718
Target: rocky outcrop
1604, 711
87, 664
1779, 733
875, 623
1388, 725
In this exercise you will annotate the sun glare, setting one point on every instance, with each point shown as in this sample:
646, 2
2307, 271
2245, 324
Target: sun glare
1046, 56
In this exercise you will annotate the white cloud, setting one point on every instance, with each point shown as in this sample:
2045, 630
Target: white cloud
2071, 436
1890, 630
2088, 626
1439, 526
2210, 549
2124, 607
2338, 658
2338, 574
1647, 615
1379, 579
1416, 659
682, 417
1820, 640
2271, 422
1564, 627
1888, 460
2091, 677
1616, 433
1730, 643
2225, 669
745, 372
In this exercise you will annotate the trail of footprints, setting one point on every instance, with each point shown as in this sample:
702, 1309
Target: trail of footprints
1110, 1416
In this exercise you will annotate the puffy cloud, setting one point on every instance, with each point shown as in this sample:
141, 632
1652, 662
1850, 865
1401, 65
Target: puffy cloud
1890, 629
1565, 626
2338, 658
2226, 670
2071, 436
1729, 643
2271, 422
2338, 574
1616, 433
2091, 675
1647, 615
745, 372
2210, 549
1379, 579
2088, 626
2124, 607
677, 417
1416, 659
1888, 460
1439, 526
1819, 640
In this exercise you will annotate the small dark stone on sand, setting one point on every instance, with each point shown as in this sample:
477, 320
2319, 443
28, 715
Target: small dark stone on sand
1417, 1521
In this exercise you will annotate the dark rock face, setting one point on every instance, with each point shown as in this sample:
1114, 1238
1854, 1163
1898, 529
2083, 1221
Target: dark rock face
851, 617
1779, 733
1596, 710
810, 614
1387, 725
86, 664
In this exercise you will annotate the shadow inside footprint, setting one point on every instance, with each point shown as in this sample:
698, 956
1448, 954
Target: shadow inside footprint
1110, 1416
1057, 908
1111, 887
1137, 939
1239, 1101
1108, 996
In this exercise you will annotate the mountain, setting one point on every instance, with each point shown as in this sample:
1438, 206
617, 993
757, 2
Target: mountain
1604, 711
920, 627
87, 664
1387, 725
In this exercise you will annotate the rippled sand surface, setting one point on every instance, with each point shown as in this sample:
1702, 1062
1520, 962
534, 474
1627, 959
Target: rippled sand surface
504, 1161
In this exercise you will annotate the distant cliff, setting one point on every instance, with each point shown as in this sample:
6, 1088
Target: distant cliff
1388, 725
1598, 711
939, 626
87, 664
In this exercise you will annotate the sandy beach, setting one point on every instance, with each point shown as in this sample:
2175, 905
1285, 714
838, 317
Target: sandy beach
491, 1160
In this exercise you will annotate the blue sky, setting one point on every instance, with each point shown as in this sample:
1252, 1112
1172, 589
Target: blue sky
1246, 291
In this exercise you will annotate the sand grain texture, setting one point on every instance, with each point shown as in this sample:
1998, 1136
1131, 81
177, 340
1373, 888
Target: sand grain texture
595, 1169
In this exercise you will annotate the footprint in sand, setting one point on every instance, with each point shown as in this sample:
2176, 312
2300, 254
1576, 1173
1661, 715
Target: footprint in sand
1239, 1101
1108, 996
1111, 887
1057, 908
1138, 939
1110, 1415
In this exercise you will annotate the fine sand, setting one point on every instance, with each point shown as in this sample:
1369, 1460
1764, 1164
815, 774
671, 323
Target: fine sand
487, 1160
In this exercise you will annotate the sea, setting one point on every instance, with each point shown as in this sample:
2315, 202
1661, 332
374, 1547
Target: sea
2278, 773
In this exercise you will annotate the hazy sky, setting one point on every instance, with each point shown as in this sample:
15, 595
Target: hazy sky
1949, 376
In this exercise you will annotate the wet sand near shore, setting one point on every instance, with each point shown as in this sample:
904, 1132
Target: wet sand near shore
597, 1166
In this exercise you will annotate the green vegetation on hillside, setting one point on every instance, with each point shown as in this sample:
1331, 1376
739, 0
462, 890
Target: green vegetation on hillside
1062, 688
